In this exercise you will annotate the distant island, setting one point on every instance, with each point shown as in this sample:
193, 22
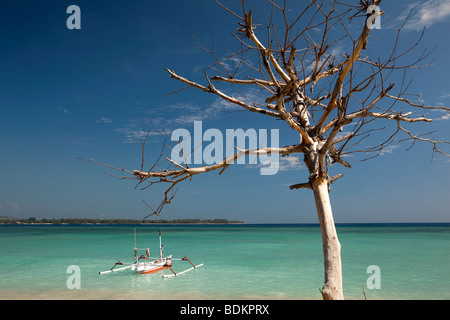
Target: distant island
33, 220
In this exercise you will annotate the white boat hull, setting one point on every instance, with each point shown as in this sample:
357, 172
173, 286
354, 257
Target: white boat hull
150, 267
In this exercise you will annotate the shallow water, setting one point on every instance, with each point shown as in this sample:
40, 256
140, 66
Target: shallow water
240, 261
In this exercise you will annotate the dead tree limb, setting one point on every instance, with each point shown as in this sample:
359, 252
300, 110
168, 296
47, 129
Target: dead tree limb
316, 92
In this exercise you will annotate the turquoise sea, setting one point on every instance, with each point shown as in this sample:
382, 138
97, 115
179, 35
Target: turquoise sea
240, 261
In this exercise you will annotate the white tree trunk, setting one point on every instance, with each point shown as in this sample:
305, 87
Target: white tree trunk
332, 288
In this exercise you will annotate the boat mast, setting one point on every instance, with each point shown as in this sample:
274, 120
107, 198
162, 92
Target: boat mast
135, 248
160, 247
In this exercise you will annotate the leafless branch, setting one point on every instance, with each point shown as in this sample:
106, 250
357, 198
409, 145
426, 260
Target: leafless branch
316, 92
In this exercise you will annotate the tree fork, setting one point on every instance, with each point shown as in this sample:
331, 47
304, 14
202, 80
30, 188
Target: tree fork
318, 140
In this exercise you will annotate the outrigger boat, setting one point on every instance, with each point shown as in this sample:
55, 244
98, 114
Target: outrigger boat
157, 264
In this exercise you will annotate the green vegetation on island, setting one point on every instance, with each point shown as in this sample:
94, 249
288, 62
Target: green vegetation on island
33, 220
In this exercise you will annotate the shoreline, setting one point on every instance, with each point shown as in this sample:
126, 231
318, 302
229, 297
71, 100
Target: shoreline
345, 224
103, 294
113, 224
115, 221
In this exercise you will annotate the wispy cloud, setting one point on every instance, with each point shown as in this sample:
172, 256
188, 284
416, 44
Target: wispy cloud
289, 163
137, 129
446, 116
64, 110
104, 120
10, 207
188, 113
182, 115
445, 95
427, 14
388, 149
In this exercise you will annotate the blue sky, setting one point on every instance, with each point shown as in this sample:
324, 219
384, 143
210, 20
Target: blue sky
66, 94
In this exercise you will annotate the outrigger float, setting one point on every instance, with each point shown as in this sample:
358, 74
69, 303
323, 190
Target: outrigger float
157, 264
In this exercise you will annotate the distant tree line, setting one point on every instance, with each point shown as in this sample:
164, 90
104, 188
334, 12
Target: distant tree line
33, 220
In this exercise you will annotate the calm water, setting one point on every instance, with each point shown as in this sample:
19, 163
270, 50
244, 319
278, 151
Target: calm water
241, 261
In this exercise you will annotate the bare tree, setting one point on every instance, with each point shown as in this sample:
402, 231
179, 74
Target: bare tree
316, 91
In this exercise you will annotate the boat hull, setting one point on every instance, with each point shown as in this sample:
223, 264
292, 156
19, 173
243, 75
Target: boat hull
146, 268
